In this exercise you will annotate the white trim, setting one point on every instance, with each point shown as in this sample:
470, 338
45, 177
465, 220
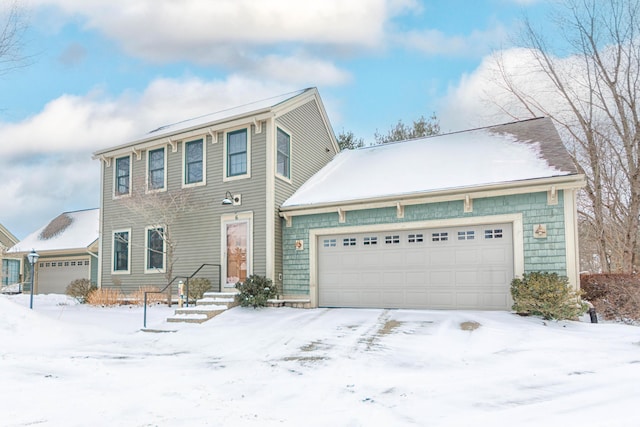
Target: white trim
503, 189
515, 219
101, 226
230, 219
113, 247
275, 159
164, 177
571, 238
226, 178
204, 162
146, 249
270, 199
114, 193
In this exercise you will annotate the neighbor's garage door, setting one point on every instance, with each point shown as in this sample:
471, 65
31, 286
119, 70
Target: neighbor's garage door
54, 276
447, 268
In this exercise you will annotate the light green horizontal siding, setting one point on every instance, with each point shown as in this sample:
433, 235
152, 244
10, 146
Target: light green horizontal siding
311, 149
547, 254
197, 232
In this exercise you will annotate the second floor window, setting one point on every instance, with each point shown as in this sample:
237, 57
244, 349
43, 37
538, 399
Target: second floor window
156, 169
237, 153
123, 173
194, 162
283, 160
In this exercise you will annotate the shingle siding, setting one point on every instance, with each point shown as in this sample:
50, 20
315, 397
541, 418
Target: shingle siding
547, 254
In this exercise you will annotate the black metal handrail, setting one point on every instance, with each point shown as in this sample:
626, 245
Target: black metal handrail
186, 286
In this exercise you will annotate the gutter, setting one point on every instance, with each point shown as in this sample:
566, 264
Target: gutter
466, 193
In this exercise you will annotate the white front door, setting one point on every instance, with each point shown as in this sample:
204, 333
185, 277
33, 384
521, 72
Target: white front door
236, 251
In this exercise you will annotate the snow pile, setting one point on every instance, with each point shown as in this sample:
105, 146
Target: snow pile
291, 367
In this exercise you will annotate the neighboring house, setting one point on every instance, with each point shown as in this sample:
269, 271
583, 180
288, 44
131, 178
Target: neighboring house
68, 250
444, 222
10, 266
253, 157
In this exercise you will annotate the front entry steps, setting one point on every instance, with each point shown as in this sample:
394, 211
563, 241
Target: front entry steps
210, 305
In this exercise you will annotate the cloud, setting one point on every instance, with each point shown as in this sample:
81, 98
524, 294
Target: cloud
290, 39
435, 42
46, 168
481, 98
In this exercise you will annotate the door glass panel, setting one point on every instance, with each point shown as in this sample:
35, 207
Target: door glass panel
237, 233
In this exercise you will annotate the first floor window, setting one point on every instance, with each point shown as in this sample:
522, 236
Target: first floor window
155, 248
123, 172
10, 271
121, 251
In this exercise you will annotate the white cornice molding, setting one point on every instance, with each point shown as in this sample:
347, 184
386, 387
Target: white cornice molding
504, 189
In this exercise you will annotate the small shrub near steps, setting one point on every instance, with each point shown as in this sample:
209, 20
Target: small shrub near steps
210, 305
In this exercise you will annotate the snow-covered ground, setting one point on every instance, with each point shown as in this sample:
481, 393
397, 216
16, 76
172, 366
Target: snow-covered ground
65, 364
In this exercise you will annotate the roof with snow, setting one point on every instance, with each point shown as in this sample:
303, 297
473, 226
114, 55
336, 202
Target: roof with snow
252, 108
518, 151
67, 231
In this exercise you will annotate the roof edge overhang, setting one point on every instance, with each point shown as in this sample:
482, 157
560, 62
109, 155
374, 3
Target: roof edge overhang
574, 181
179, 135
55, 252
205, 128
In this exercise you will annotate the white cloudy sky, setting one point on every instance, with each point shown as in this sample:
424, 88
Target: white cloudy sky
99, 72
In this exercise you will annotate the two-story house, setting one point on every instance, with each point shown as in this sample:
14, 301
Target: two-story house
208, 191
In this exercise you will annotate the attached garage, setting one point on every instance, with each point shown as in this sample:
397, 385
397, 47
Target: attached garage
444, 222
467, 267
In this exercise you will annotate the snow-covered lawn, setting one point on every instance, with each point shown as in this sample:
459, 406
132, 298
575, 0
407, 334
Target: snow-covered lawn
64, 364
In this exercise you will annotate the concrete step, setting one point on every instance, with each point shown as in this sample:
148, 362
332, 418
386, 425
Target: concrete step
224, 294
188, 318
199, 313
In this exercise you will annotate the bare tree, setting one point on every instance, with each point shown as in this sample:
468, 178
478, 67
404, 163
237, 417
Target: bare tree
162, 210
591, 92
12, 27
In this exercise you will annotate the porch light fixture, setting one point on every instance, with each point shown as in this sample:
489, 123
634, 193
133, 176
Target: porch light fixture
33, 258
231, 199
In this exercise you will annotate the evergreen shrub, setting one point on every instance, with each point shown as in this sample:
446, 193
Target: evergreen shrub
547, 295
255, 291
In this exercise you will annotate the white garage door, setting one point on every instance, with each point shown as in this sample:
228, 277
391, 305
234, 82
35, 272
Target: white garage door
447, 268
55, 275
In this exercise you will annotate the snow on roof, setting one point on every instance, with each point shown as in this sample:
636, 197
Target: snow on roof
209, 119
69, 230
224, 114
517, 151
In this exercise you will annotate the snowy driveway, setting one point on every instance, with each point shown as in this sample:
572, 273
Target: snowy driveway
315, 368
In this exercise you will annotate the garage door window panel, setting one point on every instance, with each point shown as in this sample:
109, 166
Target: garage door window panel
392, 240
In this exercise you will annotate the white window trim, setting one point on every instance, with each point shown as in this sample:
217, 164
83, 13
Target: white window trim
164, 187
113, 251
229, 219
225, 176
275, 159
146, 250
204, 162
115, 177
